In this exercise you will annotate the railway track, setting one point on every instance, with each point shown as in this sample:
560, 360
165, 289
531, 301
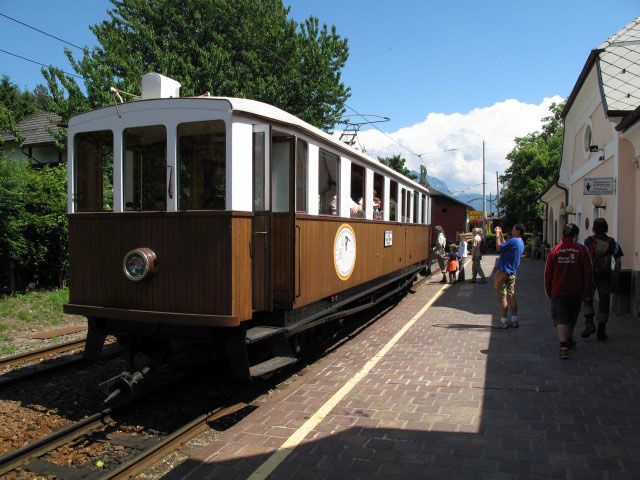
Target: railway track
39, 369
41, 353
143, 452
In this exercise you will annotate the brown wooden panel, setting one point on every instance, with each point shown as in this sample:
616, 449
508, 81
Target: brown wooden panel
261, 261
195, 261
241, 267
315, 243
282, 255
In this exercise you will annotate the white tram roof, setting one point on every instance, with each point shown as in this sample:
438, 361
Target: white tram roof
254, 108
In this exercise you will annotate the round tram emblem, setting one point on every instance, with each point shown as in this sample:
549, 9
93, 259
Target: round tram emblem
344, 253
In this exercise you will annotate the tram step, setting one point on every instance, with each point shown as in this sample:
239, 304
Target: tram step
256, 334
271, 365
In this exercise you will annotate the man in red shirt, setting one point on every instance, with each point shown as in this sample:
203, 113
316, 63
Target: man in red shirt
568, 279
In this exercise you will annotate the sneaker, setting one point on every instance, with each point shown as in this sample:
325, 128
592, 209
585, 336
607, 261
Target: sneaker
513, 324
482, 281
504, 325
571, 343
444, 280
564, 353
472, 281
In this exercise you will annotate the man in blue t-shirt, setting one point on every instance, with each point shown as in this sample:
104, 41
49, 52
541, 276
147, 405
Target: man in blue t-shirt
504, 284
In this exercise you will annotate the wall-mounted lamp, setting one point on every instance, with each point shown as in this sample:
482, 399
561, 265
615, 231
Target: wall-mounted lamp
598, 201
568, 210
596, 148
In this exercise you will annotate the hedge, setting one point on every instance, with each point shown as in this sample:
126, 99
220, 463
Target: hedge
33, 226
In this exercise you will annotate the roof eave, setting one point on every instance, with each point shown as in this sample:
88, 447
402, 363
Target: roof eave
591, 60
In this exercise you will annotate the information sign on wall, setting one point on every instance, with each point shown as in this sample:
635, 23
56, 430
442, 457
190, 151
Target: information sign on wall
599, 186
388, 238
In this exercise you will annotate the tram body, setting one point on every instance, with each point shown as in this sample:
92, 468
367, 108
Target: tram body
229, 222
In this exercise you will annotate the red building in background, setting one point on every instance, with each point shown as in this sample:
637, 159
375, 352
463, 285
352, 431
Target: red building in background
451, 214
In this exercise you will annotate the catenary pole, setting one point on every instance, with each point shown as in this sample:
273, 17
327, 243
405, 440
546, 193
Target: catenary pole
484, 197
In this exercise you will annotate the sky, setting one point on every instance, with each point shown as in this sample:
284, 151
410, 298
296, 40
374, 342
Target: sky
449, 75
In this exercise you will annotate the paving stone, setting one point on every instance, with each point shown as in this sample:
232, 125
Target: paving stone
455, 399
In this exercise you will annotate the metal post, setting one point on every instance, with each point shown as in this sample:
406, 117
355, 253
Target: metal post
497, 193
484, 198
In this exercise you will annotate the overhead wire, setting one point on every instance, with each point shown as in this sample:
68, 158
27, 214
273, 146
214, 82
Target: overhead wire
41, 31
39, 63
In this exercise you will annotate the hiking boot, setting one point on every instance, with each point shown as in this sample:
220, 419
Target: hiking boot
589, 328
571, 343
601, 336
564, 352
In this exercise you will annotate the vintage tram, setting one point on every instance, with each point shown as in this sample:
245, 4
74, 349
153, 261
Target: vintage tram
230, 223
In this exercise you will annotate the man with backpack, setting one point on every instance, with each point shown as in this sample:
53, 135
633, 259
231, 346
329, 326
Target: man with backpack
602, 249
479, 248
568, 280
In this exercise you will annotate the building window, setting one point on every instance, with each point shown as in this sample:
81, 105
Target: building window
145, 167
202, 148
93, 175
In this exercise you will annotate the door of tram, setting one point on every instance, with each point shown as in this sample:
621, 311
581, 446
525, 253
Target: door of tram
261, 223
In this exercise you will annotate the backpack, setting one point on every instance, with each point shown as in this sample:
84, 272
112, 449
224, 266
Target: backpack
483, 246
600, 251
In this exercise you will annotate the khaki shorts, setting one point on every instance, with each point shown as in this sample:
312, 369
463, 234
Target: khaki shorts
504, 285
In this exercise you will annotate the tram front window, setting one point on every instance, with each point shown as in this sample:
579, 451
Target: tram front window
93, 171
144, 168
202, 148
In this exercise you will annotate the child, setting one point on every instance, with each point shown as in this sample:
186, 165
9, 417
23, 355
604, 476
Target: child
452, 262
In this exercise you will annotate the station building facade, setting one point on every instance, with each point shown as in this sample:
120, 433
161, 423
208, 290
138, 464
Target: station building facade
599, 174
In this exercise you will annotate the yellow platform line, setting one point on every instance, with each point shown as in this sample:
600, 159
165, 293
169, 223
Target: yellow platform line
296, 437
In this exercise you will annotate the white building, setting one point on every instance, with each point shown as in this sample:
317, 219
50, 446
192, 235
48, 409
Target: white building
599, 174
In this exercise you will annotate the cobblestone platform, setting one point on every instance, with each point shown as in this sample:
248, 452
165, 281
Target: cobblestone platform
450, 398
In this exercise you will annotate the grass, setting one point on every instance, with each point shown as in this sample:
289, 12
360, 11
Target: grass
7, 349
31, 311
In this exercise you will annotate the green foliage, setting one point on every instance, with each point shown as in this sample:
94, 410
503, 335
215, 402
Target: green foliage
396, 162
534, 163
237, 48
424, 180
490, 239
16, 105
33, 226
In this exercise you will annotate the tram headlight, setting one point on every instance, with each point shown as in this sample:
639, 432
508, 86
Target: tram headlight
139, 263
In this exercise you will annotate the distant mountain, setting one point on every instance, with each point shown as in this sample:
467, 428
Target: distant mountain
434, 182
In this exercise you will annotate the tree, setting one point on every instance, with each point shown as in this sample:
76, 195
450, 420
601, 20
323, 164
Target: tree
16, 105
534, 162
424, 180
396, 162
237, 48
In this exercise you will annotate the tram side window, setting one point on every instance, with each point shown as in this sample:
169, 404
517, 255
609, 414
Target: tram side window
357, 207
393, 196
378, 195
416, 200
328, 183
259, 203
424, 209
302, 159
403, 206
93, 173
202, 150
144, 168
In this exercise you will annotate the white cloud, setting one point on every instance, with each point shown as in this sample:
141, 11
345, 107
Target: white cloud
461, 169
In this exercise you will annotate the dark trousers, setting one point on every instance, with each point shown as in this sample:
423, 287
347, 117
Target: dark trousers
603, 286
